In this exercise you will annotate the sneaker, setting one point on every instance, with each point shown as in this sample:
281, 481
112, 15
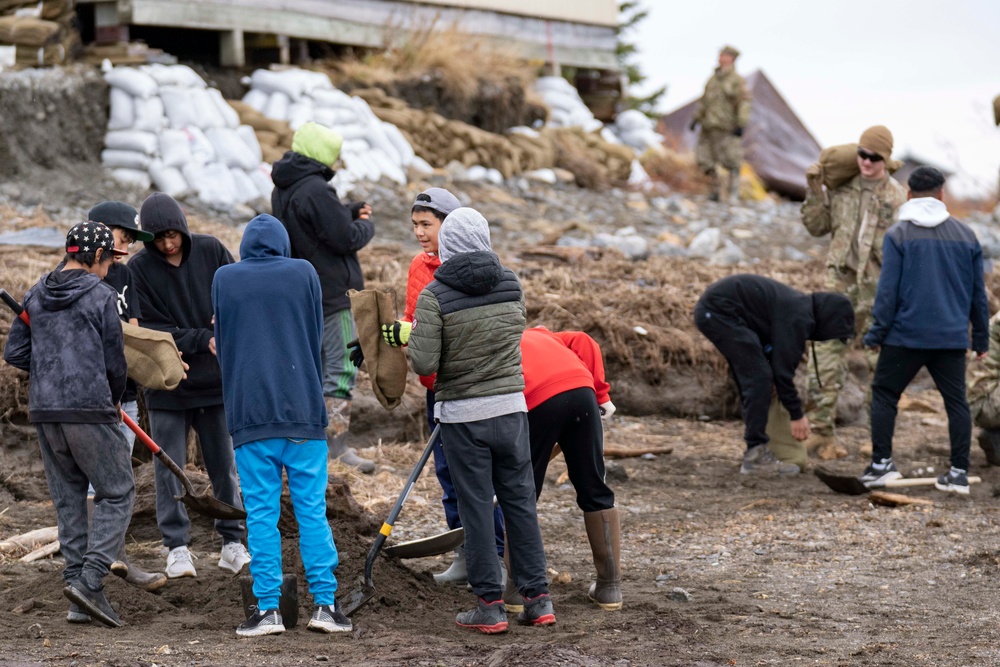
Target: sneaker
93, 603
233, 557
263, 622
180, 563
76, 614
488, 617
880, 472
956, 481
759, 459
537, 611
329, 618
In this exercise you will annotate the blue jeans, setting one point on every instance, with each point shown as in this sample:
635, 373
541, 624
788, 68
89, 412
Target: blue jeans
260, 464
450, 497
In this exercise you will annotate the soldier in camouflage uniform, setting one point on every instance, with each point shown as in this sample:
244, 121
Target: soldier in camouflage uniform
723, 112
984, 395
857, 214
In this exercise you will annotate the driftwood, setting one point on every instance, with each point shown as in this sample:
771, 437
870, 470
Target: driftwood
41, 552
631, 452
896, 499
30, 540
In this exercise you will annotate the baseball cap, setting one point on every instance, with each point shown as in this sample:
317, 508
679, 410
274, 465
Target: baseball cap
89, 236
437, 199
119, 214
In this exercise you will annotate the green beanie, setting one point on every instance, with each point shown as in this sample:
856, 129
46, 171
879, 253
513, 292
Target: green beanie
318, 142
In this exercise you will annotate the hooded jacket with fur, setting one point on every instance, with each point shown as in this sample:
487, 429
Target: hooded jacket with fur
268, 336
783, 319
178, 299
74, 349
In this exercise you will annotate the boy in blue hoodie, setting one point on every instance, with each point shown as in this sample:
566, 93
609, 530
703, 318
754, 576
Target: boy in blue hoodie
269, 340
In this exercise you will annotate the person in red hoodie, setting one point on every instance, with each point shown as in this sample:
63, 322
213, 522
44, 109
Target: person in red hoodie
567, 395
429, 210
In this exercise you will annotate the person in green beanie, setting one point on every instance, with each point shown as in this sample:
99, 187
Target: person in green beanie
328, 234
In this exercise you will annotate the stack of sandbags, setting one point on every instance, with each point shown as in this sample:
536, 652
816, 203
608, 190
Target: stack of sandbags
440, 141
636, 129
595, 162
567, 108
167, 128
40, 31
372, 149
274, 136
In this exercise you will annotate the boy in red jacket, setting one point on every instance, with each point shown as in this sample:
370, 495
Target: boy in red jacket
429, 210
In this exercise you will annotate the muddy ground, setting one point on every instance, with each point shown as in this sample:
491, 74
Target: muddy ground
779, 572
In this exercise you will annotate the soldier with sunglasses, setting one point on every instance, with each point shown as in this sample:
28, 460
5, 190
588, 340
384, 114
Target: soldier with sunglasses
857, 215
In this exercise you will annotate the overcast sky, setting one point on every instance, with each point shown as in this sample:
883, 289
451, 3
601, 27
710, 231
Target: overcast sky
927, 70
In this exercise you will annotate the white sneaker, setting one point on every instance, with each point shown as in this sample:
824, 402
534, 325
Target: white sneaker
233, 557
180, 563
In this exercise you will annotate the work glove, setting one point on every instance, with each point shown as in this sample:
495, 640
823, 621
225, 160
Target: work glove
397, 333
607, 409
354, 353
694, 124
738, 132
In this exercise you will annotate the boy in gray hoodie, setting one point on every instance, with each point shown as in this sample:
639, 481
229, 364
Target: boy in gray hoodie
467, 329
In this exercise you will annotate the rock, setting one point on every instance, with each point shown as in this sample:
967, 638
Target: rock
728, 254
456, 171
615, 472
670, 237
668, 249
542, 176
680, 595
795, 254
564, 175
705, 243
632, 246
476, 172
494, 176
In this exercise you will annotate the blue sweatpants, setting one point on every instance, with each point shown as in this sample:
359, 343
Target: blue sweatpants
260, 464
450, 497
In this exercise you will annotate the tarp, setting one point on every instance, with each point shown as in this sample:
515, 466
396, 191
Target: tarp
776, 143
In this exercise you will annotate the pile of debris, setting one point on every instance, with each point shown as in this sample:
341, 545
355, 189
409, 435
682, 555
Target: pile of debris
36, 33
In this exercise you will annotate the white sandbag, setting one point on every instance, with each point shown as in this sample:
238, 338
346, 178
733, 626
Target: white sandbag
202, 151
525, 131
400, 143
116, 159
168, 179
135, 177
335, 117
591, 125
293, 83
261, 177
494, 176
230, 118
209, 112
565, 101
553, 83
179, 106
245, 188
353, 131
633, 119
299, 113
175, 148
133, 81
609, 136
174, 75
388, 167
365, 113
230, 149
249, 137
355, 146
277, 106
476, 172
360, 167
421, 167
256, 98
213, 183
378, 140
132, 140
149, 114
122, 114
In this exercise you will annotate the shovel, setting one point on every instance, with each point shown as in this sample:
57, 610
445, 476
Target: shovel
356, 599
852, 486
203, 503
434, 545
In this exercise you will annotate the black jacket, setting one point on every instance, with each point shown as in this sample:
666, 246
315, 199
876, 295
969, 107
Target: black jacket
120, 278
783, 319
178, 299
323, 231
74, 349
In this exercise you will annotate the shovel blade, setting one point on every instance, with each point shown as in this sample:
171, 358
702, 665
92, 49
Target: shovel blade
357, 599
428, 546
846, 484
212, 507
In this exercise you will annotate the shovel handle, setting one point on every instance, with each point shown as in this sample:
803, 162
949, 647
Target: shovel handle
15, 306
158, 452
918, 481
142, 435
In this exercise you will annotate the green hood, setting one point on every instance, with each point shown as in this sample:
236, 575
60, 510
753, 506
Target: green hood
317, 142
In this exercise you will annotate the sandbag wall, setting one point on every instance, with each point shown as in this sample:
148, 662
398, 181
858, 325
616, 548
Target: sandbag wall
372, 149
168, 129
41, 32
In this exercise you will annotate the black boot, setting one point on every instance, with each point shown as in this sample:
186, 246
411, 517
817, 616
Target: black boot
92, 602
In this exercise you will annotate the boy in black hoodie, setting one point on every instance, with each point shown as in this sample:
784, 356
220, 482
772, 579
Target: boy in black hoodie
173, 276
74, 403
761, 327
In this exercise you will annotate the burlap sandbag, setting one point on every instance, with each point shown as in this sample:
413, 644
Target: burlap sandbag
386, 364
783, 445
152, 358
26, 31
839, 164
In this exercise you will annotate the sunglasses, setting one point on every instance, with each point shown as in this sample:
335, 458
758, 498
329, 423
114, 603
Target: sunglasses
871, 157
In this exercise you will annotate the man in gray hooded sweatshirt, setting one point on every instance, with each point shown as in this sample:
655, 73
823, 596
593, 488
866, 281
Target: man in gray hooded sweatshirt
467, 328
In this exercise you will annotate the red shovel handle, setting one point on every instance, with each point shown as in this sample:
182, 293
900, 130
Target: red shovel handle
139, 433
15, 306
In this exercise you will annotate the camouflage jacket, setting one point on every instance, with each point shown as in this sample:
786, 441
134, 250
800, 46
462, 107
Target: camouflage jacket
836, 212
983, 377
725, 105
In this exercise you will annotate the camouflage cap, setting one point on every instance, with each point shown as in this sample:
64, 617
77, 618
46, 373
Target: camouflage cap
730, 50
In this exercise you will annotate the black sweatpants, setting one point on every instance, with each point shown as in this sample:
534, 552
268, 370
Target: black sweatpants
572, 419
750, 368
896, 368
